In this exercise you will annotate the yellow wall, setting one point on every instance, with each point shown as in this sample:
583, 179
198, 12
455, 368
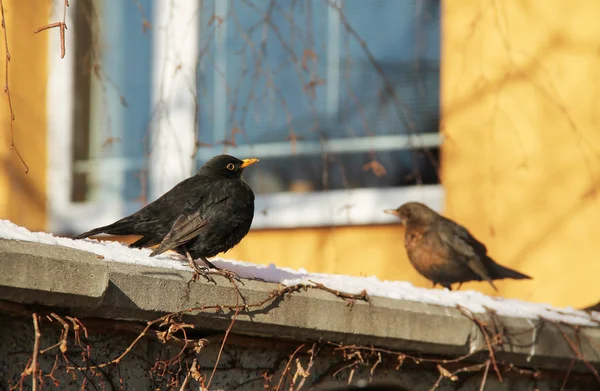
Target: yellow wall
521, 160
362, 251
23, 196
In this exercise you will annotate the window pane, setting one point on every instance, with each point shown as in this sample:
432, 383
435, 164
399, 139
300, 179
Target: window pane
112, 99
299, 81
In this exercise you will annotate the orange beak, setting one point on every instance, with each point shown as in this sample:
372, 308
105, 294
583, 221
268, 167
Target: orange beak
248, 162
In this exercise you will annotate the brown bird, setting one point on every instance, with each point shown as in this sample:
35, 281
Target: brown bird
445, 252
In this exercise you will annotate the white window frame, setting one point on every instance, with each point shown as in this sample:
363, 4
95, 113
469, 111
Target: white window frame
64, 215
281, 210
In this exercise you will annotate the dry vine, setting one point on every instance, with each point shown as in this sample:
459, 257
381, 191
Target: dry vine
171, 330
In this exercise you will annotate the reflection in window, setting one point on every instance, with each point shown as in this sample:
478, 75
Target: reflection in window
112, 73
330, 95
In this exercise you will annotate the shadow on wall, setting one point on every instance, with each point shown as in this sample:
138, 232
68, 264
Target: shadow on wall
513, 75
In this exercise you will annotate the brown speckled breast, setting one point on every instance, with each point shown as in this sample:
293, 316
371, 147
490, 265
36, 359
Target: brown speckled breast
433, 260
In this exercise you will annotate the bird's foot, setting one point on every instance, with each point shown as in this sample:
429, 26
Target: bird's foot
199, 271
222, 272
225, 273
209, 270
203, 272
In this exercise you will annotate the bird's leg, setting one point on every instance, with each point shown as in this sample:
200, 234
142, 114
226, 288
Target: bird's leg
459, 285
197, 270
192, 263
209, 263
434, 284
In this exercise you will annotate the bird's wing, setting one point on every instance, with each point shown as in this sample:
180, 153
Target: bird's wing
186, 227
468, 248
190, 222
165, 206
465, 235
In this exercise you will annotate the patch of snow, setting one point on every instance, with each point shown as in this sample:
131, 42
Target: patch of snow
111, 251
401, 290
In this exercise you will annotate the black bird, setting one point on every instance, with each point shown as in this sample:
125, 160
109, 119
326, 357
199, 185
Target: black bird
444, 251
593, 307
200, 217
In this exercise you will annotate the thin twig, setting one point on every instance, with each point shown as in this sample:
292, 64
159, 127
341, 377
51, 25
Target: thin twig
344, 295
13, 147
437, 382
577, 353
287, 366
237, 303
51, 374
222, 346
483, 330
34, 357
485, 373
64, 334
401, 107
186, 380
415, 359
372, 371
311, 361
131, 345
62, 26
564, 384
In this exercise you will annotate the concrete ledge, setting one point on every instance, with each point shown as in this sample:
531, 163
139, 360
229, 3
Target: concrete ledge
55, 276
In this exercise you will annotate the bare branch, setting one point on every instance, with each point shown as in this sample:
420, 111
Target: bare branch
13, 147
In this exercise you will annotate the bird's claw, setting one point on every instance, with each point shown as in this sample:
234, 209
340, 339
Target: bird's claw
202, 272
206, 272
225, 273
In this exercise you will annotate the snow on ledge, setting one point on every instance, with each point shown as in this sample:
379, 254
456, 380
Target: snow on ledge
401, 290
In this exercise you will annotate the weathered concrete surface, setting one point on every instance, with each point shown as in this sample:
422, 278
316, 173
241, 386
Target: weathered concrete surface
81, 284
68, 276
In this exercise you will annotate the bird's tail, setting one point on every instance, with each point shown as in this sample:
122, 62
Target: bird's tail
499, 272
593, 307
121, 227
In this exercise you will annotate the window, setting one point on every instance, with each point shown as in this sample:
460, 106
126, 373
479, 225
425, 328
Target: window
339, 100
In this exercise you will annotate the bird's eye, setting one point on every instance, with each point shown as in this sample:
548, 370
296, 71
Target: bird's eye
230, 166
